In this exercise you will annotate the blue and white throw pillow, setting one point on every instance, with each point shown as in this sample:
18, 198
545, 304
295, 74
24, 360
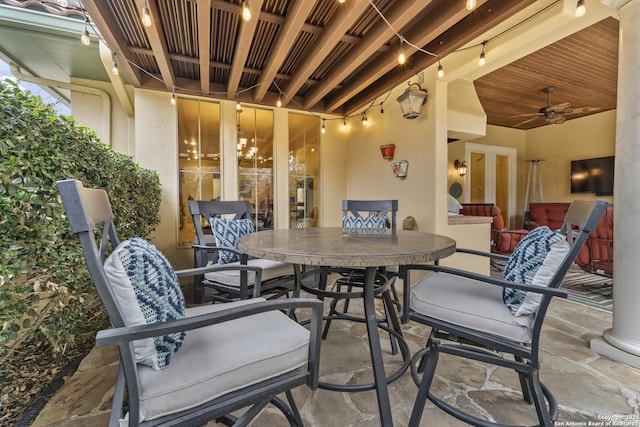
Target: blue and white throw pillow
533, 262
227, 232
147, 290
364, 224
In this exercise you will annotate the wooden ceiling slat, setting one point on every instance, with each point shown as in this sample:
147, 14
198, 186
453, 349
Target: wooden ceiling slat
333, 57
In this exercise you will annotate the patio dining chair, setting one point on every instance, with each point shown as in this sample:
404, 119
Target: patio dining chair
186, 366
219, 225
496, 320
370, 217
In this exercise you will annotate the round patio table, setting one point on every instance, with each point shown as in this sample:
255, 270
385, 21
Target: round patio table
331, 247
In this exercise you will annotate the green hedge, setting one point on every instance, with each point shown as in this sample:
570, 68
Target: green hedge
45, 289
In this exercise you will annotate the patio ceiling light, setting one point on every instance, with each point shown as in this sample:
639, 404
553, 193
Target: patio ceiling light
412, 100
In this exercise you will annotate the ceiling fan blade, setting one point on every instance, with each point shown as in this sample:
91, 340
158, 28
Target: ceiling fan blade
581, 110
558, 108
525, 122
528, 115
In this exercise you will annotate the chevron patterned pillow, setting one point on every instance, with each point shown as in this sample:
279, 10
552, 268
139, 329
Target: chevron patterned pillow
364, 224
533, 262
147, 291
227, 232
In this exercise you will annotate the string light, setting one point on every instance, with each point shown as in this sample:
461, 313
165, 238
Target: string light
365, 121
114, 65
279, 101
146, 15
481, 60
323, 129
344, 122
84, 38
581, 9
401, 56
246, 12
173, 100
381, 109
471, 4
62, 3
440, 69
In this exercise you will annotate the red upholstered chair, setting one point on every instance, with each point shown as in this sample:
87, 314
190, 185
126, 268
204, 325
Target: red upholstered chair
549, 214
597, 254
503, 241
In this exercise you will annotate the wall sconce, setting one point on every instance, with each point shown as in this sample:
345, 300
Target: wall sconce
461, 167
412, 100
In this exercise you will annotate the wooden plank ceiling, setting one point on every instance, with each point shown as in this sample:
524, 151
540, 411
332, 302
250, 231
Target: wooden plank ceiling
316, 55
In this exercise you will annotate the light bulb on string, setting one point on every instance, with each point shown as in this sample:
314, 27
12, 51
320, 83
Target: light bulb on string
85, 39
173, 100
381, 109
365, 121
323, 129
440, 70
145, 15
279, 101
344, 122
114, 66
401, 56
246, 12
482, 60
471, 4
581, 8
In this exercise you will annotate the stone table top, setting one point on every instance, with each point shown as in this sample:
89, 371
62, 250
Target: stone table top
333, 247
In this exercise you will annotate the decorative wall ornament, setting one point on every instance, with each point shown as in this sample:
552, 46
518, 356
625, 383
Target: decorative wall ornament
400, 168
387, 151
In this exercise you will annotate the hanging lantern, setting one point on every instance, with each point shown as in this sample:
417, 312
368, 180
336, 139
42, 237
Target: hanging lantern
412, 100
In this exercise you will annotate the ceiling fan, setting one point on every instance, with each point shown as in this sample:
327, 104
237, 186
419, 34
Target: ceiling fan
556, 113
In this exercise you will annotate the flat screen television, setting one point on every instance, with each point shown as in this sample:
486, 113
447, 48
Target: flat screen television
593, 176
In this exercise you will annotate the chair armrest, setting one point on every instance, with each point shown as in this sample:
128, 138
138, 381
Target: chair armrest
483, 253
561, 293
243, 274
207, 248
131, 333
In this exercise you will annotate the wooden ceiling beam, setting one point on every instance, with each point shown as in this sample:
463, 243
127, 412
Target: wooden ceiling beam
157, 40
204, 43
432, 25
344, 19
293, 23
243, 44
403, 12
103, 18
455, 37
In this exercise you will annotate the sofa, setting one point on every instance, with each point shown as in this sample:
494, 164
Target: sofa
597, 254
503, 241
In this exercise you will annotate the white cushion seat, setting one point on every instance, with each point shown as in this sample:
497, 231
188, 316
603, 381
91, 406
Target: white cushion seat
270, 270
471, 304
217, 359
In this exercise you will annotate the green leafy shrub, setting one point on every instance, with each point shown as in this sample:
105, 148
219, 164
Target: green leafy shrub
45, 289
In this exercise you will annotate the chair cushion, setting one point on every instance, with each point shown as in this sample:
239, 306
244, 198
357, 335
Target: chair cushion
364, 224
270, 270
147, 291
222, 358
469, 303
534, 261
227, 232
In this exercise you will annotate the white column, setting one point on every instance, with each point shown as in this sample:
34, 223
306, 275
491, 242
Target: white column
622, 341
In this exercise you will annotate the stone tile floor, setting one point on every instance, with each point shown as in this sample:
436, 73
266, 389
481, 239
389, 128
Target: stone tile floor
589, 388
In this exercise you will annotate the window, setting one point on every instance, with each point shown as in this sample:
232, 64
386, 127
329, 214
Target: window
199, 158
255, 163
304, 170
